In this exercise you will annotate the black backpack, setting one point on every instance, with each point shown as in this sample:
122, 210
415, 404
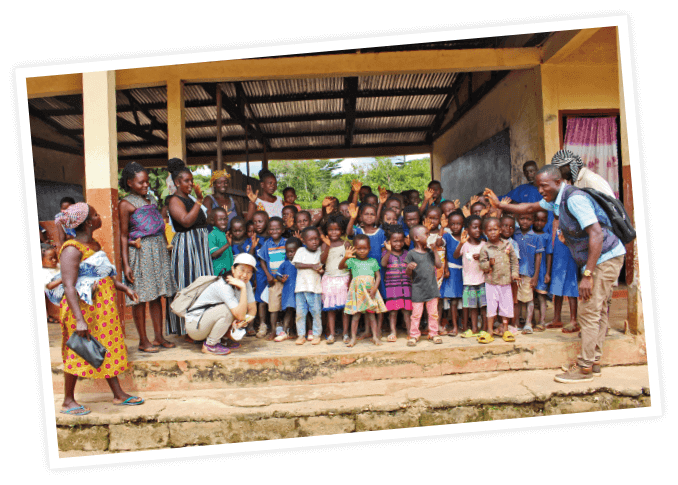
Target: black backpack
620, 221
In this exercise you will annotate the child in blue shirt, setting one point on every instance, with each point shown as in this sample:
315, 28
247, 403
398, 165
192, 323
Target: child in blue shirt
531, 251
540, 221
287, 274
269, 258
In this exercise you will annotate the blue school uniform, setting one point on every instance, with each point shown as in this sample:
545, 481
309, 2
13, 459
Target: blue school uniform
529, 245
243, 247
563, 272
288, 298
377, 241
452, 287
271, 254
548, 249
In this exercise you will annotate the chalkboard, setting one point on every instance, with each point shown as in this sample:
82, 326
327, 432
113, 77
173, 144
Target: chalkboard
487, 165
48, 194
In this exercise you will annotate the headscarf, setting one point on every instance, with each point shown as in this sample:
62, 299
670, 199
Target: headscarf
566, 157
217, 174
72, 217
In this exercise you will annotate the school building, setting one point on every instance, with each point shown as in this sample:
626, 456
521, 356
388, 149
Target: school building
480, 107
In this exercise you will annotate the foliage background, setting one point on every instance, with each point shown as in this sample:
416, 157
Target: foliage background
313, 180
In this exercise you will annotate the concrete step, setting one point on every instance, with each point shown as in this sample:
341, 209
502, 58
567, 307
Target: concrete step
205, 417
261, 363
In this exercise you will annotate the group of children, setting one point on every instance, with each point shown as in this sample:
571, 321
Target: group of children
392, 253
387, 253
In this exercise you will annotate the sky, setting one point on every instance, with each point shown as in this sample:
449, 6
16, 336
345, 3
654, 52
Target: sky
345, 166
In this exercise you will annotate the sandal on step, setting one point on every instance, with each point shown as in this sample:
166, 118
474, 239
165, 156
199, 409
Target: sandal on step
391, 338
330, 340
76, 411
468, 333
263, 330
527, 330
281, 337
436, 339
569, 329
411, 342
508, 337
485, 338
539, 328
444, 331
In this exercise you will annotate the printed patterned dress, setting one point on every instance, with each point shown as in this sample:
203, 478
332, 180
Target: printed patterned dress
104, 325
150, 265
398, 293
359, 299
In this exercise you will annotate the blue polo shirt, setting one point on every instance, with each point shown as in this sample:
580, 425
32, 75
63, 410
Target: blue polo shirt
524, 193
529, 244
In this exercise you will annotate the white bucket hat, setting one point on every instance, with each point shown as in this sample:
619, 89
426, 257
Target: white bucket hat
245, 258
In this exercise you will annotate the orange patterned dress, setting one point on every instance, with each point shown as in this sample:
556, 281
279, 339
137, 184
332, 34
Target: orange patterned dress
104, 325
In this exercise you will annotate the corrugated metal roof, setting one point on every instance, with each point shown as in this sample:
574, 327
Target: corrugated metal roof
201, 130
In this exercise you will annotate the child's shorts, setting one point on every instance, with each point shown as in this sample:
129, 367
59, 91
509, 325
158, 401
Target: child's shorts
524, 289
474, 296
275, 297
499, 300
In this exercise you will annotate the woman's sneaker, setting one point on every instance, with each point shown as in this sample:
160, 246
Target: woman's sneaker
216, 349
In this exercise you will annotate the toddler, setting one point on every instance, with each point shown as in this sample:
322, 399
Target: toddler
307, 291
290, 197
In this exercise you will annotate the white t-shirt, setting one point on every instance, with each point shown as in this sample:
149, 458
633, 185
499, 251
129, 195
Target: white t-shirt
307, 279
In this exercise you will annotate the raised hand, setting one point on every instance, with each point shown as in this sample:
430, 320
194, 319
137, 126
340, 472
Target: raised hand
350, 252
428, 195
255, 240
229, 238
383, 195
473, 200
326, 201
353, 211
235, 282
428, 224
483, 212
463, 237
506, 200
387, 246
198, 192
297, 234
492, 197
325, 239
456, 204
356, 185
288, 220
252, 195
443, 221
466, 211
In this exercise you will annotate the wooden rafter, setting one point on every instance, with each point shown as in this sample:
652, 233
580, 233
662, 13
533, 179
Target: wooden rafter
350, 90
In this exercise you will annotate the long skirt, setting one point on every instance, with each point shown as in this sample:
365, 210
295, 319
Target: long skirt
151, 269
190, 260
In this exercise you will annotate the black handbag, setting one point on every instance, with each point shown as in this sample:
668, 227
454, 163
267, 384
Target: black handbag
91, 350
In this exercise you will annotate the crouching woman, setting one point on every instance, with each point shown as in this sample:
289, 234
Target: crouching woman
223, 306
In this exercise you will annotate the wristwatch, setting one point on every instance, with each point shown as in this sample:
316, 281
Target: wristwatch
587, 272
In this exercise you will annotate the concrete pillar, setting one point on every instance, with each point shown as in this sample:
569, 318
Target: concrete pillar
635, 305
101, 158
176, 117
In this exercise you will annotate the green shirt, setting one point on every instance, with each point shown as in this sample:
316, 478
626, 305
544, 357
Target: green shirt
216, 240
362, 268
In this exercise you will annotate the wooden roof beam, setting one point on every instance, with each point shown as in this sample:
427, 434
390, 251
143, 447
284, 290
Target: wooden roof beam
350, 90
561, 44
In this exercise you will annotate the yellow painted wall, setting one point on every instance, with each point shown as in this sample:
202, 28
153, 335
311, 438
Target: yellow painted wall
514, 103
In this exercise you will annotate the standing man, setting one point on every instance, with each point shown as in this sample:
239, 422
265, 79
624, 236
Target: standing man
596, 250
572, 170
527, 192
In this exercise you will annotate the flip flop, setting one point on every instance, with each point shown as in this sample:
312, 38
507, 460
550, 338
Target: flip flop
330, 340
452, 333
468, 334
128, 402
485, 338
412, 342
554, 325
281, 337
444, 331
73, 411
527, 330
150, 350
166, 345
436, 339
574, 329
391, 338
508, 337
539, 328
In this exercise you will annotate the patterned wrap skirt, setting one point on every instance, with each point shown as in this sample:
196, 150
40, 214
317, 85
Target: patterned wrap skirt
190, 260
359, 300
151, 269
335, 292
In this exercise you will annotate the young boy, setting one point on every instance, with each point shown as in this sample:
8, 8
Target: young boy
411, 218
308, 285
531, 250
220, 242
240, 241
271, 256
287, 275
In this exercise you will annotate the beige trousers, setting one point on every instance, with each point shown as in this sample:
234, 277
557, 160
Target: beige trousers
213, 325
592, 314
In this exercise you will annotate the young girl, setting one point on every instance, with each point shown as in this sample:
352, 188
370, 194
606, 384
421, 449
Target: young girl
268, 202
473, 296
453, 284
563, 283
287, 274
335, 281
330, 206
398, 287
363, 294
499, 263
421, 264
146, 267
540, 291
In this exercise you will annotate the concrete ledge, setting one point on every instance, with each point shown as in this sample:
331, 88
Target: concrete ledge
196, 418
259, 363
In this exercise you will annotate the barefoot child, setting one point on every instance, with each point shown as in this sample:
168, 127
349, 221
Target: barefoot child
220, 242
287, 274
307, 291
531, 250
335, 281
473, 296
422, 262
499, 263
363, 294
544, 269
398, 287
